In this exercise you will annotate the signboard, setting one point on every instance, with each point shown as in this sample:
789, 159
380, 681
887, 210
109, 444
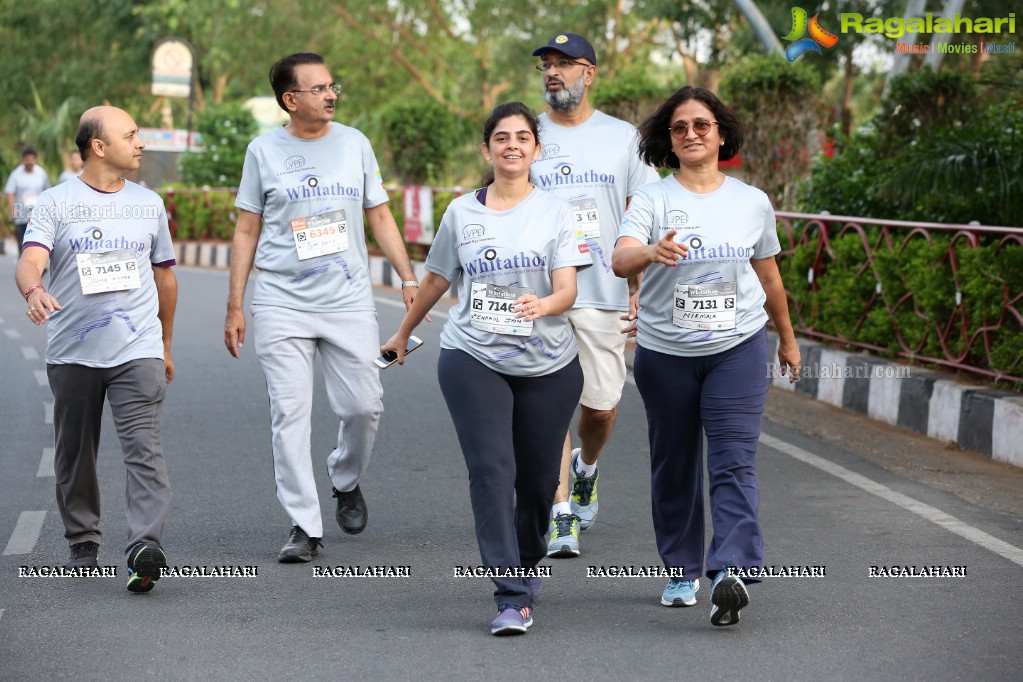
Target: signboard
172, 68
418, 214
170, 140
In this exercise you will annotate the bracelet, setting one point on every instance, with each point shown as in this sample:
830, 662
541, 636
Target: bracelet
409, 283
31, 289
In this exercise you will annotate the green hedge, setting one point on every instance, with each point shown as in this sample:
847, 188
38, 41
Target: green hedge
908, 289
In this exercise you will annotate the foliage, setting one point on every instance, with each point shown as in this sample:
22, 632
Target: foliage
226, 131
631, 97
778, 105
906, 298
421, 134
922, 101
969, 165
50, 131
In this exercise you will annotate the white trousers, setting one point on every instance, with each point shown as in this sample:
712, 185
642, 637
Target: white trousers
286, 344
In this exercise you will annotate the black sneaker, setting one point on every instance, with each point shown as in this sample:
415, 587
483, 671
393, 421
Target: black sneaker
83, 555
351, 511
145, 560
300, 547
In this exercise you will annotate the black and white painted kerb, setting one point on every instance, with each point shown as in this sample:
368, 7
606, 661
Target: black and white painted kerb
981, 419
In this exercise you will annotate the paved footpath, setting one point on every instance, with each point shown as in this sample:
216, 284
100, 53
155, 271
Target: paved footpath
838, 492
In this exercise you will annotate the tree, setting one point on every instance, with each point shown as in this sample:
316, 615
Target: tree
49, 131
226, 131
421, 134
779, 105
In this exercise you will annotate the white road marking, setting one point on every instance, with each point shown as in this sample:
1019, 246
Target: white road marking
41, 377
924, 511
47, 412
46, 464
12, 333
401, 304
26, 532
29, 353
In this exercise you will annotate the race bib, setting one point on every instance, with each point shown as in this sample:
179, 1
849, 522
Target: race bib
319, 235
705, 306
492, 309
108, 271
586, 217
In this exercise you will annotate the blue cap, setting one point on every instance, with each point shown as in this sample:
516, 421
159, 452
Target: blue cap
571, 44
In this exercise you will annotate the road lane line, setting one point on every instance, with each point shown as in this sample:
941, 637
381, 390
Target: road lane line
12, 333
924, 511
29, 353
47, 412
41, 377
401, 304
46, 464
2, 613
26, 532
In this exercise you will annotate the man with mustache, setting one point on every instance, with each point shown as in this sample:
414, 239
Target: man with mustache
592, 160
303, 192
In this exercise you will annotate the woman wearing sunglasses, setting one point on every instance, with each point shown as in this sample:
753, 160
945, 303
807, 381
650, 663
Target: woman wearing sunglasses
705, 244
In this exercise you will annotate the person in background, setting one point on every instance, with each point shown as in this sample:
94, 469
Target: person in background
706, 244
24, 185
74, 168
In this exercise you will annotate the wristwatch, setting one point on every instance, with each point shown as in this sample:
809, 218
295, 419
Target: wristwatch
409, 283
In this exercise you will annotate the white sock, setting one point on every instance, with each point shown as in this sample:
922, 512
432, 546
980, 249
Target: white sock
560, 508
583, 469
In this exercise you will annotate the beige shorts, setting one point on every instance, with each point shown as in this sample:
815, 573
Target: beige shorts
601, 354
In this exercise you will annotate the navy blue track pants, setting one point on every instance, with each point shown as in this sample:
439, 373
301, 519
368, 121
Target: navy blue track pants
511, 430
725, 394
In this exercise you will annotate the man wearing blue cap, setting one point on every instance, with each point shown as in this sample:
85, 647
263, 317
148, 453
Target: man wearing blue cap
591, 160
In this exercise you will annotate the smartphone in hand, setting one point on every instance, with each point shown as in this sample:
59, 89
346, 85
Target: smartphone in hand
390, 357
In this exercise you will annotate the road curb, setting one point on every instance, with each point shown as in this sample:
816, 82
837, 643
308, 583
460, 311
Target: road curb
977, 418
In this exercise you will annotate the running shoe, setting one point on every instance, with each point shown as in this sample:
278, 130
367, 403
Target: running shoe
83, 555
564, 540
584, 494
680, 592
145, 560
727, 596
511, 620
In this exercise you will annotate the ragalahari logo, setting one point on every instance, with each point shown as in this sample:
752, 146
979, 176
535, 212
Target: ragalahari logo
818, 36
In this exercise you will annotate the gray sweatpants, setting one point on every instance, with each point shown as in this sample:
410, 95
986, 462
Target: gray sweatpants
135, 391
287, 342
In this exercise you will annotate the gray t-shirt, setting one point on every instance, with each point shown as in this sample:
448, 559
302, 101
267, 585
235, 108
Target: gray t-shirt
26, 188
68, 175
519, 248
713, 299
108, 328
327, 182
595, 166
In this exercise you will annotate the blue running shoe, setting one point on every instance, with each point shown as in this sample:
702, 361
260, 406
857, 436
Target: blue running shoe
727, 596
584, 494
511, 620
680, 592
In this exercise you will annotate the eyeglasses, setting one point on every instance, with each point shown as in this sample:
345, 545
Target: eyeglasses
699, 126
322, 89
560, 65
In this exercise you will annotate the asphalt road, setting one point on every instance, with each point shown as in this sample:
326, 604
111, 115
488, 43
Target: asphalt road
837, 490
